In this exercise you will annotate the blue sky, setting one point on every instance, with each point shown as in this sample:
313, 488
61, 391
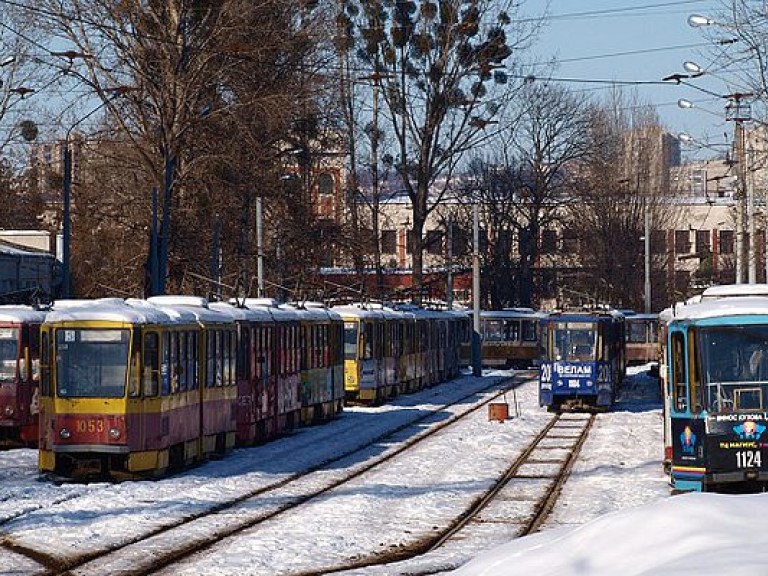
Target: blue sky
641, 41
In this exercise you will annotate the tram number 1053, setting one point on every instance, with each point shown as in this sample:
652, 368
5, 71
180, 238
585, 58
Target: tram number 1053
748, 459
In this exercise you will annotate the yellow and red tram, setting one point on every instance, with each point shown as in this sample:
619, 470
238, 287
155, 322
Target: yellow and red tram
19, 374
391, 351
135, 387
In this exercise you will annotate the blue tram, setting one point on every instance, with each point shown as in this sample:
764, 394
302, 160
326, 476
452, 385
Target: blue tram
717, 394
583, 360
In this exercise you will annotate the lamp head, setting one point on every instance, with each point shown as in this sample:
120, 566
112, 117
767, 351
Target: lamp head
697, 21
693, 68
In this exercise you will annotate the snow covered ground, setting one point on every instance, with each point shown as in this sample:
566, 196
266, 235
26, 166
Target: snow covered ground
614, 515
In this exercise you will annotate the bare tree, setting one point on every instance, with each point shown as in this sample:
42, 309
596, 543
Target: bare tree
625, 180
438, 65
207, 93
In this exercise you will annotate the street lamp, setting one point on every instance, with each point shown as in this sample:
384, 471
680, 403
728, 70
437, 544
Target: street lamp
67, 216
737, 111
67, 185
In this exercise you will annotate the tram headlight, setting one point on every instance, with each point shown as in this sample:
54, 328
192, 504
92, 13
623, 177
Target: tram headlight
64, 433
114, 433
8, 411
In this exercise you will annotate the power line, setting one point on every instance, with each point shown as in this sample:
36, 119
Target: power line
622, 10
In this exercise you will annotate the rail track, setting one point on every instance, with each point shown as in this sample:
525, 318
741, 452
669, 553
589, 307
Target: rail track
519, 501
180, 538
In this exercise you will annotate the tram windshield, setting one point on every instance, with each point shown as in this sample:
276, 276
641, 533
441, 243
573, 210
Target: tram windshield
641, 332
9, 353
734, 367
574, 342
91, 363
350, 340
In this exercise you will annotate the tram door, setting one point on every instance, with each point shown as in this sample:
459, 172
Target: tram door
686, 429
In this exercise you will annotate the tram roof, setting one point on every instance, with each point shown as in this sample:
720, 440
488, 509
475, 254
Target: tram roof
512, 313
724, 307
642, 317
607, 314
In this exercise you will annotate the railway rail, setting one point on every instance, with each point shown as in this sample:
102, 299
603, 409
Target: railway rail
535, 479
183, 537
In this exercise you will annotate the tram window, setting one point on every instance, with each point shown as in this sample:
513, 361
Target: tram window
368, 341
493, 330
210, 357
173, 354
134, 375
529, 330
219, 357
695, 380
512, 330
45, 376
9, 353
229, 365
244, 354
192, 359
637, 332
181, 362
165, 365
680, 386
748, 399
151, 364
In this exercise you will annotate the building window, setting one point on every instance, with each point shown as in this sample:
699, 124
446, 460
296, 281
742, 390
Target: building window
658, 242
570, 242
461, 241
548, 242
699, 182
410, 235
726, 241
505, 241
388, 241
703, 245
433, 242
325, 184
682, 242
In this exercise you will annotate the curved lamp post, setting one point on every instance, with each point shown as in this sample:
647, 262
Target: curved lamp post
67, 210
67, 216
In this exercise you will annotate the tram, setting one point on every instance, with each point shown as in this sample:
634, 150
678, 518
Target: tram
397, 350
642, 335
135, 387
717, 385
584, 359
509, 338
19, 374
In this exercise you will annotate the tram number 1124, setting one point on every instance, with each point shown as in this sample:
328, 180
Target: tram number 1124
748, 459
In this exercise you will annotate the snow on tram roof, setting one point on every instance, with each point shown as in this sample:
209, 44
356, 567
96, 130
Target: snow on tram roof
734, 290
723, 307
189, 308
242, 313
18, 313
110, 310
